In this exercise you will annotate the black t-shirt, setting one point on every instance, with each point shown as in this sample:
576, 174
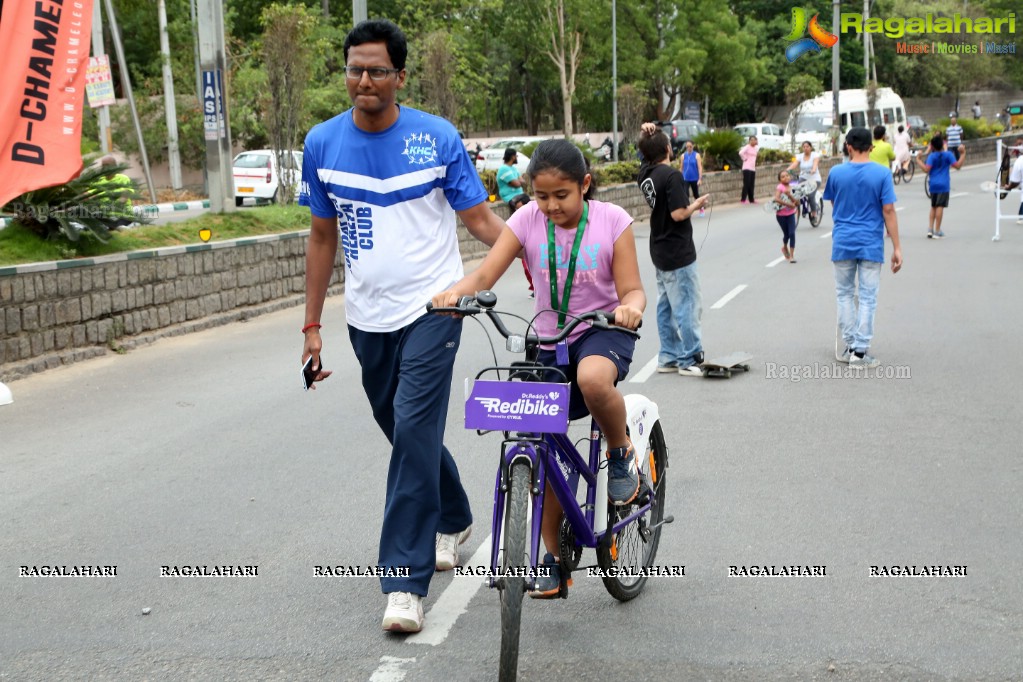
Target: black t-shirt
671, 242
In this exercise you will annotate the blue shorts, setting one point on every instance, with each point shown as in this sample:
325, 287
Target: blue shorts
616, 346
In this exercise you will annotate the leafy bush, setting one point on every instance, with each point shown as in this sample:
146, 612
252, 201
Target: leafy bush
774, 156
623, 172
719, 148
489, 178
90, 204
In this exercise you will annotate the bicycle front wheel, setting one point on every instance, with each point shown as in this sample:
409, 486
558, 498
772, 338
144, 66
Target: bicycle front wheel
815, 220
927, 185
516, 508
634, 547
907, 174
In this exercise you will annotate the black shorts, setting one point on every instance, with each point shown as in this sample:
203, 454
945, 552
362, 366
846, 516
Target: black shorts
939, 199
616, 346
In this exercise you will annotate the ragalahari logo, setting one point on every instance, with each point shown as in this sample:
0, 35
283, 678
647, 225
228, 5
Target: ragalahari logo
818, 36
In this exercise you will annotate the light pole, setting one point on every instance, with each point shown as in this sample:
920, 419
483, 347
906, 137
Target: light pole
836, 129
614, 80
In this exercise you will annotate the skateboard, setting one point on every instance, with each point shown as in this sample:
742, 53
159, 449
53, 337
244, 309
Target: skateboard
803, 189
724, 366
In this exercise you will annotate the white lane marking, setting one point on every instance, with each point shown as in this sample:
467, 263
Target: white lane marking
777, 260
391, 669
959, 194
900, 208
728, 297
645, 373
453, 601
825, 235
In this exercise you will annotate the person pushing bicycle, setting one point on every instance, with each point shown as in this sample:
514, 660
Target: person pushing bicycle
582, 254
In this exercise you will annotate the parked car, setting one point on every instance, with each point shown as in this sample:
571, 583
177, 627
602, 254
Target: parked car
492, 157
681, 130
255, 174
769, 136
917, 126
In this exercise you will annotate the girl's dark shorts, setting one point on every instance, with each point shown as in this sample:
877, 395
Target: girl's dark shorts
616, 346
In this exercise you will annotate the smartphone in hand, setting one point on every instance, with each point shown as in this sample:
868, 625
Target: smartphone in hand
308, 373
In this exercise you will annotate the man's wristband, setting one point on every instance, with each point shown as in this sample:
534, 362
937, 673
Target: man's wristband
311, 325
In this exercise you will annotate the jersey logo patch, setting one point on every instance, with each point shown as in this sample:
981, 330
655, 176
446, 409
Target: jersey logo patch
420, 148
649, 193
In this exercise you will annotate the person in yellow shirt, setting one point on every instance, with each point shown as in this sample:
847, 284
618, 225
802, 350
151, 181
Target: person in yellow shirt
881, 152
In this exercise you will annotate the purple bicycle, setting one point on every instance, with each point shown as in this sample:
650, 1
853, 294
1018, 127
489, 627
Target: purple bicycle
530, 407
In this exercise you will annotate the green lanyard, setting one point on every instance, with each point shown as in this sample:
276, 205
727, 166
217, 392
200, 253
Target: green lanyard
552, 264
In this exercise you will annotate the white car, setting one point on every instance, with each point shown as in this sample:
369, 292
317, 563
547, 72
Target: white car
769, 136
255, 174
492, 157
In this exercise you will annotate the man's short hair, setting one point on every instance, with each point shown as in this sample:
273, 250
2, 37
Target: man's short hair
879, 132
654, 148
509, 154
859, 139
379, 31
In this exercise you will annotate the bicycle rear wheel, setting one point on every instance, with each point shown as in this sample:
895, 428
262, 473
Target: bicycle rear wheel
927, 185
516, 508
635, 546
907, 174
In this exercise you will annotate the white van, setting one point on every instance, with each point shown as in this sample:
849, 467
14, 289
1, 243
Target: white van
815, 116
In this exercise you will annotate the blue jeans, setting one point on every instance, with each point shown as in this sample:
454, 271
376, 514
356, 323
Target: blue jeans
853, 277
679, 307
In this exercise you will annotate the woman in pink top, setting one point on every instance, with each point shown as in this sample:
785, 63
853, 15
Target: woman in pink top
594, 247
748, 154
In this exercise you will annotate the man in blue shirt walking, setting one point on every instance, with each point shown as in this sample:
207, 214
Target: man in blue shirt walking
863, 208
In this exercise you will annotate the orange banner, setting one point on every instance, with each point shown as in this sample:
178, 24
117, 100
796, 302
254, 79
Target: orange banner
46, 54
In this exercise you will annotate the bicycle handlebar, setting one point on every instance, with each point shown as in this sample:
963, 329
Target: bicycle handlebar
484, 302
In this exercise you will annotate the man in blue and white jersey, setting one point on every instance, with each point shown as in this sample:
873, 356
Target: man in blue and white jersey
389, 180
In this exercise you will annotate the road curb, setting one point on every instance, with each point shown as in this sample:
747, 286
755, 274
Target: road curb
151, 209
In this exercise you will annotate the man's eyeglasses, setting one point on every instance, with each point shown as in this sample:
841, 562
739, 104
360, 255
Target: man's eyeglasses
377, 73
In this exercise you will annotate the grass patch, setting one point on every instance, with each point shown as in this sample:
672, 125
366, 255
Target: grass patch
19, 246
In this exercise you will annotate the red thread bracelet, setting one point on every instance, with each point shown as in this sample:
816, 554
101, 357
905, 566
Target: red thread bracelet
310, 326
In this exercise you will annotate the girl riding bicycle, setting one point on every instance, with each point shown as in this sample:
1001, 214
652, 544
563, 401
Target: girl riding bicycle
582, 254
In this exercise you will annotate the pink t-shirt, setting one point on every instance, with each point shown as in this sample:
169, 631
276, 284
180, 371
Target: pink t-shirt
781, 189
748, 154
593, 287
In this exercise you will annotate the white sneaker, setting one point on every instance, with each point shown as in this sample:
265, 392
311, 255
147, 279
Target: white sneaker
1020, 221
447, 548
691, 371
404, 612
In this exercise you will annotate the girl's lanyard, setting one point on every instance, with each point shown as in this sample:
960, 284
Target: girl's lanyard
561, 350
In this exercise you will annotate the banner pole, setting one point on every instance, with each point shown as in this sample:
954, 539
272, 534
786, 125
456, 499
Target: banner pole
115, 32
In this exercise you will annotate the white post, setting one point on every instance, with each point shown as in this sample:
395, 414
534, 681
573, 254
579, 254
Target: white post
102, 113
212, 60
6, 398
998, 198
170, 109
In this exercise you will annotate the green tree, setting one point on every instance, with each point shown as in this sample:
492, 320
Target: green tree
287, 58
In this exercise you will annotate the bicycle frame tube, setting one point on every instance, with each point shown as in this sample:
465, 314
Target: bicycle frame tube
553, 451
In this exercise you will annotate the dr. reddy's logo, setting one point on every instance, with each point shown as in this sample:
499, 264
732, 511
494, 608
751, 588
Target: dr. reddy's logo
817, 39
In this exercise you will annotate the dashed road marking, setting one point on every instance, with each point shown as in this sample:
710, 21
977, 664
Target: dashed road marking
645, 373
728, 297
453, 601
391, 669
777, 260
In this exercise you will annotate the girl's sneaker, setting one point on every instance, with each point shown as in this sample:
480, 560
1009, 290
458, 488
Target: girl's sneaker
622, 475
549, 586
